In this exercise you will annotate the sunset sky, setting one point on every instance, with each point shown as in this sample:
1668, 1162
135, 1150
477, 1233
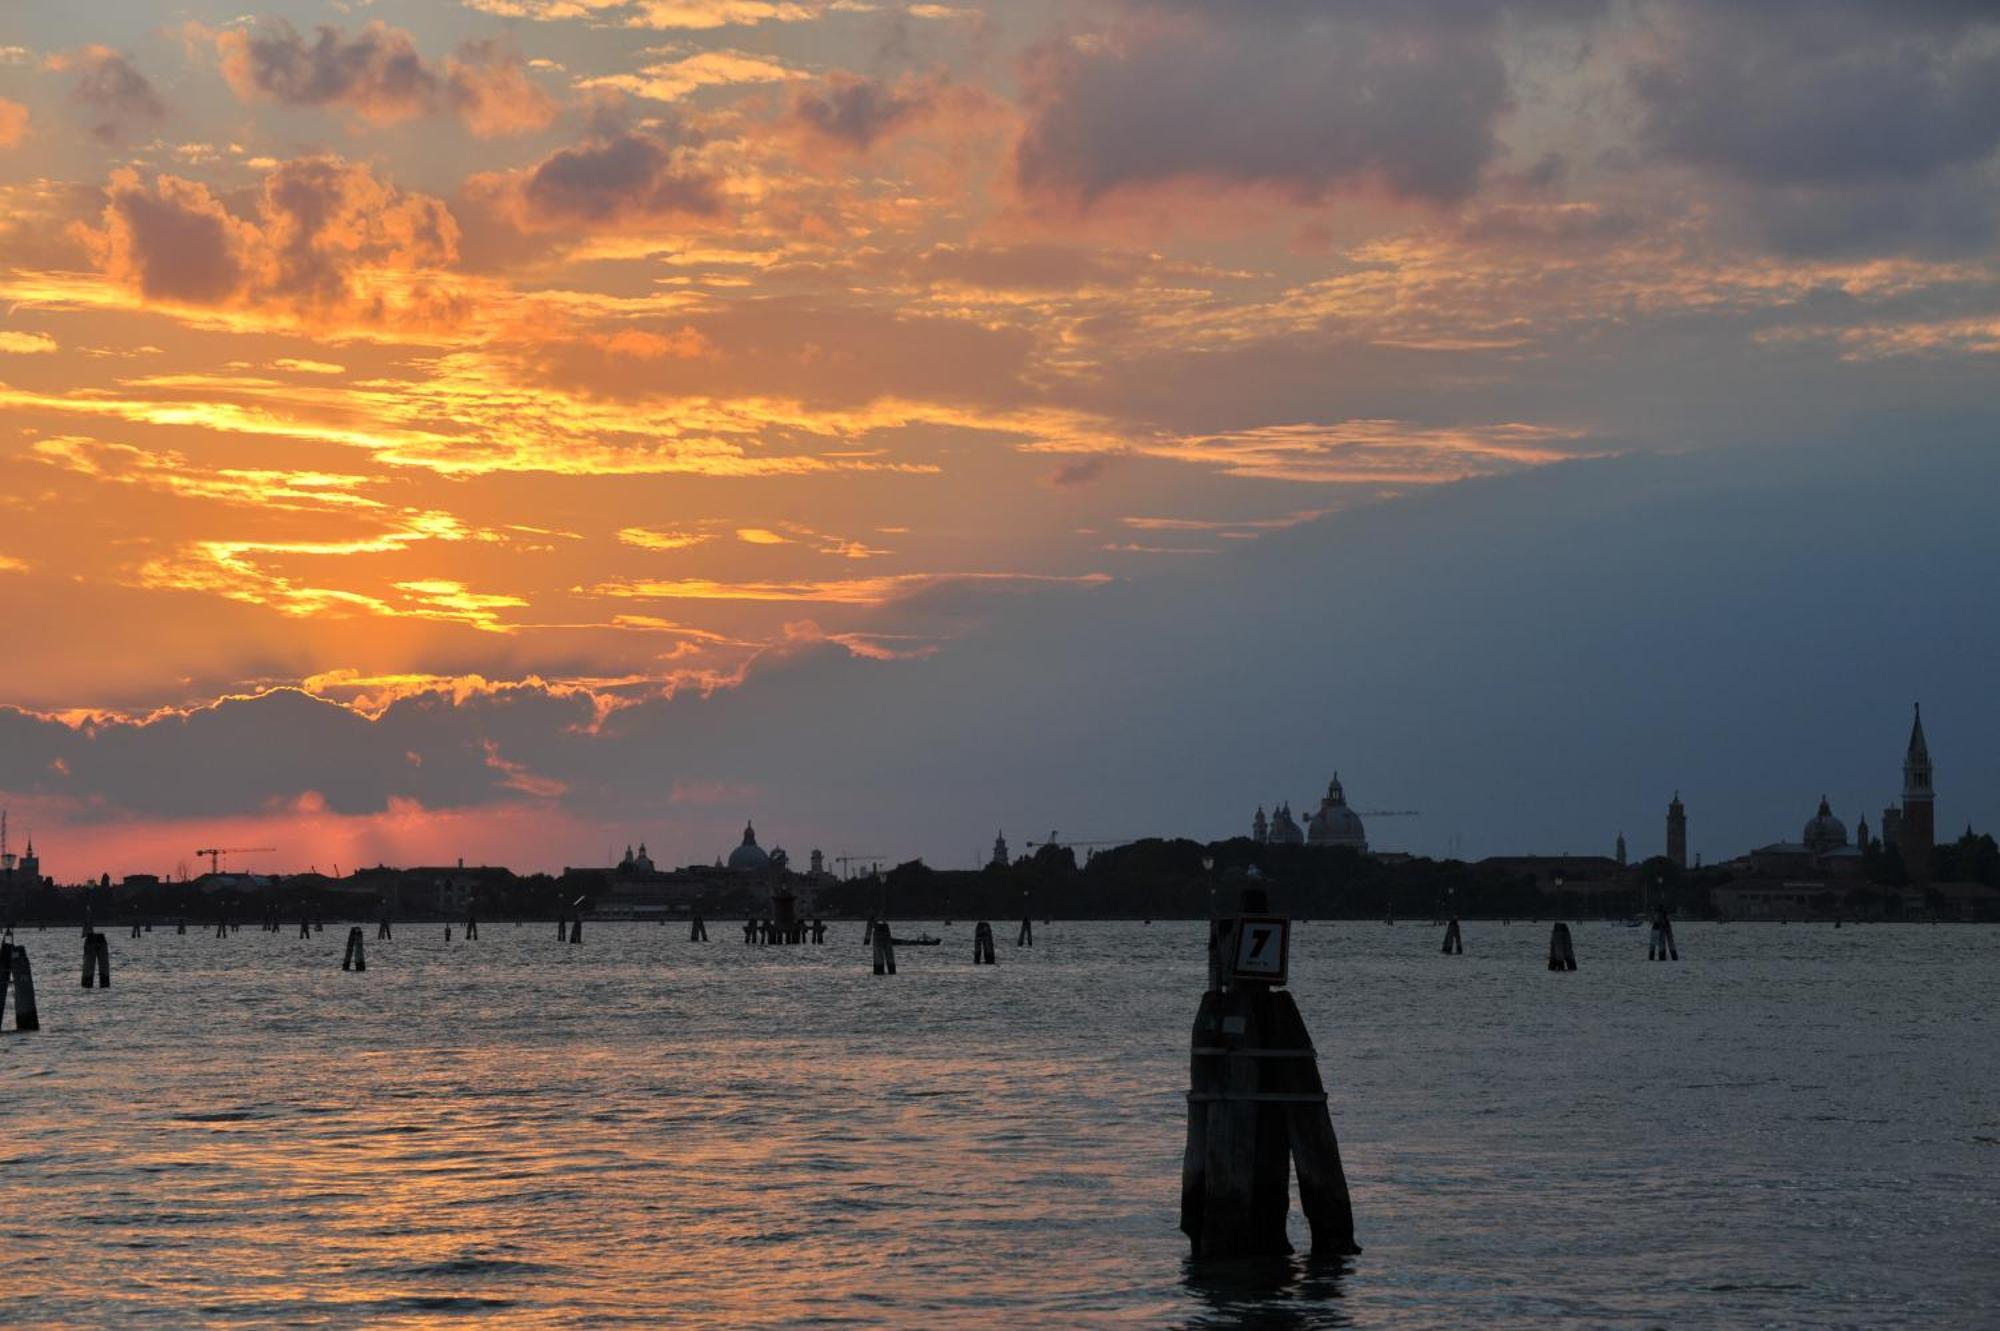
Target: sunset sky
514, 429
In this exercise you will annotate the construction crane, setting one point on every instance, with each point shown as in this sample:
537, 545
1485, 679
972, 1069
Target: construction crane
845, 860
216, 853
1055, 841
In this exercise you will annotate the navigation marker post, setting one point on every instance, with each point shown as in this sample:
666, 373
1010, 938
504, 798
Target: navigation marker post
1256, 1102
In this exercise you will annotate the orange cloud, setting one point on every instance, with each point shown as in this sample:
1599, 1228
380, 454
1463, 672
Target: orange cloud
172, 473
839, 591
379, 76
646, 538
326, 242
26, 344
13, 123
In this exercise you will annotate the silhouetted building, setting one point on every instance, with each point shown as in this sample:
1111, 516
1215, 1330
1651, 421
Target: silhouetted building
1918, 831
749, 857
1620, 853
1335, 824
1677, 832
1823, 832
1000, 859
1332, 824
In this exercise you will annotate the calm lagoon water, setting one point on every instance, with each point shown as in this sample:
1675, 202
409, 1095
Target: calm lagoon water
1794, 1126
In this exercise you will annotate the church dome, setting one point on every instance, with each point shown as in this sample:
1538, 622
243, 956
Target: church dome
749, 857
1824, 832
1335, 824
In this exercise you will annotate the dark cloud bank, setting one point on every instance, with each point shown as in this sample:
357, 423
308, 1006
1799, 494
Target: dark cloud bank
1536, 662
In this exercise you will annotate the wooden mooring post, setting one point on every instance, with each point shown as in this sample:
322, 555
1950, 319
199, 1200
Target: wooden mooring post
356, 956
885, 948
1562, 952
383, 930
1660, 947
1454, 944
697, 930
1257, 1109
982, 944
14, 968
135, 928
471, 928
1026, 938
97, 961
305, 928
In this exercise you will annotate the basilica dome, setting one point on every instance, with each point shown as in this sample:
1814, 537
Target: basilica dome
749, 857
1335, 824
1824, 832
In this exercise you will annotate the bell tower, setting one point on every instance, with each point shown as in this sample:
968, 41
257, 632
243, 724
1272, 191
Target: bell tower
1677, 832
1919, 827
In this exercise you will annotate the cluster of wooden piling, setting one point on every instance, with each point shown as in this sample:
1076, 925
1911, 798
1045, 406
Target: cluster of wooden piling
883, 943
982, 944
697, 930
1454, 944
356, 956
766, 932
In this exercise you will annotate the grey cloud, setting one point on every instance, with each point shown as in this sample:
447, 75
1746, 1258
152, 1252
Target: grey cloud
1825, 94
855, 112
1836, 126
377, 72
627, 175
1309, 99
113, 90
379, 75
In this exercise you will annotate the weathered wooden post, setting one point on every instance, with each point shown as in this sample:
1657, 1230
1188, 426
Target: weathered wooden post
576, 927
885, 949
697, 931
356, 957
982, 944
1660, 947
471, 928
181, 926
1454, 945
1562, 953
222, 928
97, 961
305, 927
1026, 938
819, 931
14, 964
383, 930
447, 932
1255, 1098
135, 928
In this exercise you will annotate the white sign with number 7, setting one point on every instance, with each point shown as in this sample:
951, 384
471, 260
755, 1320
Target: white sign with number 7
1263, 946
